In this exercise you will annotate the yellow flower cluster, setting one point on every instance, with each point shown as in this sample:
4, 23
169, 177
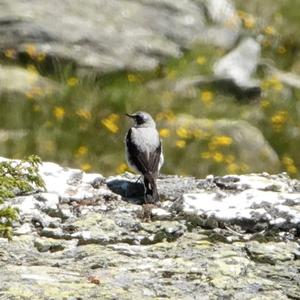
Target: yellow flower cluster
85, 167
34, 54
110, 123
272, 83
59, 112
219, 141
249, 21
183, 133
279, 119
289, 164
72, 81
269, 30
168, 116
10, 53
81, 151
201, 60
180, 144
34, 92
122, 168
164, 132
132, 78
207, 97
84, 114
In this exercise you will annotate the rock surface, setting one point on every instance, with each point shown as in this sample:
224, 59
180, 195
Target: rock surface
17, 80
90, 237
116, 35
239, 65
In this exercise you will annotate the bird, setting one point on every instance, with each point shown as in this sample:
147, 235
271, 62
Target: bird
144, 152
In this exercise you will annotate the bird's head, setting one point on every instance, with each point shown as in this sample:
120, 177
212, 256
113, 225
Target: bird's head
142, 119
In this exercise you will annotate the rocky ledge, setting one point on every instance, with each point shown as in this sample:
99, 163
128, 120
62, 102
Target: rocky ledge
90, 237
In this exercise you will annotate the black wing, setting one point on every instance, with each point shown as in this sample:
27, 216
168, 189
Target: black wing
143, 162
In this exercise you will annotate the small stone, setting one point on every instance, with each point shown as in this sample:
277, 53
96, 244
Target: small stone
160, 214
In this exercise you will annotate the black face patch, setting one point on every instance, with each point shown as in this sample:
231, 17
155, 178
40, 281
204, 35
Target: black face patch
140, 119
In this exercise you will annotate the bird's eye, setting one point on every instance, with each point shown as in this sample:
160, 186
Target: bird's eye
139, 119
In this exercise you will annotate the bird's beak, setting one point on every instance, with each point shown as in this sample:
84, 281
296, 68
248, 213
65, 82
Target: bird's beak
130, 116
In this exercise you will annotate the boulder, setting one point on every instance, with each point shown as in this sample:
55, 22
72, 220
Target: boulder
116, 35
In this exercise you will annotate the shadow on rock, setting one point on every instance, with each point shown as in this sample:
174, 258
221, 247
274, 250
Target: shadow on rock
130, 191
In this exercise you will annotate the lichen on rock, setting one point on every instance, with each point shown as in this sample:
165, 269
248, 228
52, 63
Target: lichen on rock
233, 236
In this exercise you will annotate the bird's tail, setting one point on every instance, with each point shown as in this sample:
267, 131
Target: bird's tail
151, 194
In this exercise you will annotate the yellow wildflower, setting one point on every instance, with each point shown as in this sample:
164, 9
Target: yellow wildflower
199, 133
81, 151
232, 168
165, 115
180, 144
279, 118
273, 83
32, 69
122, 168
269, 30
164, 132
59, 112
85, 167
266, 43
244, 167
222, 140
131, 78
281, 50
249, 21
207, 97
72, 81
31, 50
292, 169
241, 13
286, 160
264, 103
84, 114
35, 91
110, 123
10, 53
182, 133
218, 157
41, 57
201, 60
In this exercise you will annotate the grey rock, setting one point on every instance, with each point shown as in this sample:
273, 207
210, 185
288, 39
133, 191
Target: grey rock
272, 252
239, 66
204, 240
226, 24
16, 80
115, 35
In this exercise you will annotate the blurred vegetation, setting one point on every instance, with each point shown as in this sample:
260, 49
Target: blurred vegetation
84, 125
16, 178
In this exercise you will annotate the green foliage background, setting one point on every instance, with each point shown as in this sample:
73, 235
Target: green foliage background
84, 125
